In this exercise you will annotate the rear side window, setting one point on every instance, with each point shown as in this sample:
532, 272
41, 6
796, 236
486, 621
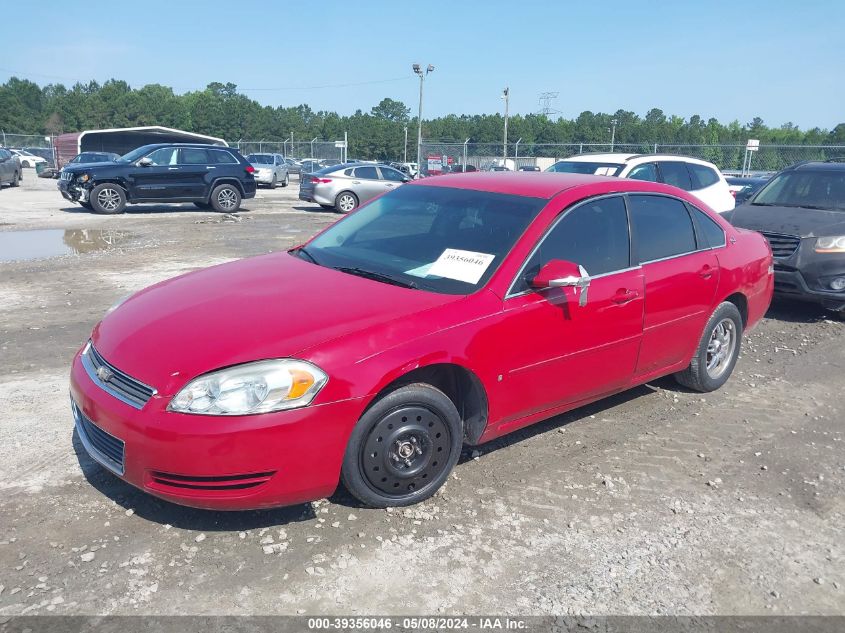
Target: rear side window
713, 235
675, 173
191, 156
222, 157
661, 227
644, 172
702, 176
594, 235
368, 173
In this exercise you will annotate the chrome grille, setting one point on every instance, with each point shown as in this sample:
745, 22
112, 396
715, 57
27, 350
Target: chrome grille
783, 246
65, 175
122, 386
101, 446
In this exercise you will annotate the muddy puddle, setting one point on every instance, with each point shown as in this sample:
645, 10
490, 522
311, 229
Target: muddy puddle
17, 246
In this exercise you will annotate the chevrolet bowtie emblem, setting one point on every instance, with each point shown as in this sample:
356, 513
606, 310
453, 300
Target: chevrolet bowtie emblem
104, 374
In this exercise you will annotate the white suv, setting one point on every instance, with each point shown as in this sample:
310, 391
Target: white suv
700, 178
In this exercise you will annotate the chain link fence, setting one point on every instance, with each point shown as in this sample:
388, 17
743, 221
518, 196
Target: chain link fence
25, 140
301, 150
484, 156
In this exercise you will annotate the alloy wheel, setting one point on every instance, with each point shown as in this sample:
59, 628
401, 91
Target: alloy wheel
720, 347
346, 202
108, 199
227, 199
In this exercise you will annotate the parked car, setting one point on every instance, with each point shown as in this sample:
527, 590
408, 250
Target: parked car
86, 158
344, 187
310, 166
294, 166
743, 188
44, 152
700, 178
10, 168
449, 311
209, 176
409, 169
801, 211
27, 160
270, 169
529, 168
462, 169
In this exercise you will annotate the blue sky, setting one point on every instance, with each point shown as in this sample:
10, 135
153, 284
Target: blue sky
782, 61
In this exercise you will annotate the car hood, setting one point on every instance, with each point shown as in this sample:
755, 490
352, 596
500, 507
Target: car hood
77, 168
272, 306
789, 220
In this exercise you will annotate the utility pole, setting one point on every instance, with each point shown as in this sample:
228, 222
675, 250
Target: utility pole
405, 151
418, 70
613, 123
506, 97
312, 146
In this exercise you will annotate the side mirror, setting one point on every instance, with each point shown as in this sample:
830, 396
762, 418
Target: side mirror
145, 162
557, 273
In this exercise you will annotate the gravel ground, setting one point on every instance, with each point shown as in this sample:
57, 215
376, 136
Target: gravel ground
656, 501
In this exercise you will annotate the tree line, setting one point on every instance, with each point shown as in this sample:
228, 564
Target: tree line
220, 110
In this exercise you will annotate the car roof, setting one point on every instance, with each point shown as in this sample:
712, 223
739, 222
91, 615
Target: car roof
621, 158
818, 165
530, 184
189, 145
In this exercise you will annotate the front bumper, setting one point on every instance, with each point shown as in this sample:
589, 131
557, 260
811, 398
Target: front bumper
72, 192
792, 284
223, 463
263, 177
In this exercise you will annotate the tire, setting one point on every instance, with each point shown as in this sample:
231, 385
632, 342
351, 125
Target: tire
273, 183
86, 205
724, 329
286, 181
422, 434
346, 202
225, 198
25, 164
202, 205
108, 198
16, 180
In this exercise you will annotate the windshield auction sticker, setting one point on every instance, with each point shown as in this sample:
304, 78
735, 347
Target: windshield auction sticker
461, 265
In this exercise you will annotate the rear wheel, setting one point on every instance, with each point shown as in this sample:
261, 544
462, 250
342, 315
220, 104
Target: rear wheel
345, 202
717, 351
226, 198
107, 198
403, 448
273, 183
16, 179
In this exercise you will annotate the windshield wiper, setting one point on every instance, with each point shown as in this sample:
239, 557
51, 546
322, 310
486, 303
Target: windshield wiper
369, 274
301, 251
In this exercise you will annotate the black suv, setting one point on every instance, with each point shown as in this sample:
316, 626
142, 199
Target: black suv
210, 176
801, 211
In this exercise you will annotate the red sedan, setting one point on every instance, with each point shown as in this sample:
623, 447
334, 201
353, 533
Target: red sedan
447, 312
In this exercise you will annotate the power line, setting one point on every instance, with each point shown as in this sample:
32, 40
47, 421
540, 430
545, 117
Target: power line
545, 101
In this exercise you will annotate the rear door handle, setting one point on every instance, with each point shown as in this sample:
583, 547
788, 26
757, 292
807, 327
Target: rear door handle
706, 271
172, 168
624, 296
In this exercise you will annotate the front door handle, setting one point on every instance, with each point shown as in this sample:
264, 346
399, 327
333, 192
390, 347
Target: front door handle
623, 296
706, 271
172, 168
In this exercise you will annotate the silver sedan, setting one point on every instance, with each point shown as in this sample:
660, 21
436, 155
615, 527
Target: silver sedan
270, 169
344, 187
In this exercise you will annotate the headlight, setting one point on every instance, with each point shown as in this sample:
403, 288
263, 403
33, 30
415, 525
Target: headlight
259, 387
834, 244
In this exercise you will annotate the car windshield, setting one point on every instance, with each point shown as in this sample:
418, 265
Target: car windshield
440, 239
91, 158
586, 167
260, 159
136, 154
806, 189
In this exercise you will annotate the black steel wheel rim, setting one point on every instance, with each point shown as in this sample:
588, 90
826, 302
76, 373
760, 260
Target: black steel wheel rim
406, 450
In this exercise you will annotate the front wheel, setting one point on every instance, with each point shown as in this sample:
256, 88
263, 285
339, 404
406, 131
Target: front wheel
346, 202
16, 180
717, 352
403, 448
286, 181
107, 198
225, 198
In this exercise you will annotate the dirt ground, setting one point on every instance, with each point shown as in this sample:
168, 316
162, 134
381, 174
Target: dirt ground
657, 501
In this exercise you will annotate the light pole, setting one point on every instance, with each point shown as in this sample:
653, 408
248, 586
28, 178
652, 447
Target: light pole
418, 70
613, 123
506, 97
405, 151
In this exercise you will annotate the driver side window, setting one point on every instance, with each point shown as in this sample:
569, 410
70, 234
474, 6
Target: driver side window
594, 235
163, 156
647, 172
